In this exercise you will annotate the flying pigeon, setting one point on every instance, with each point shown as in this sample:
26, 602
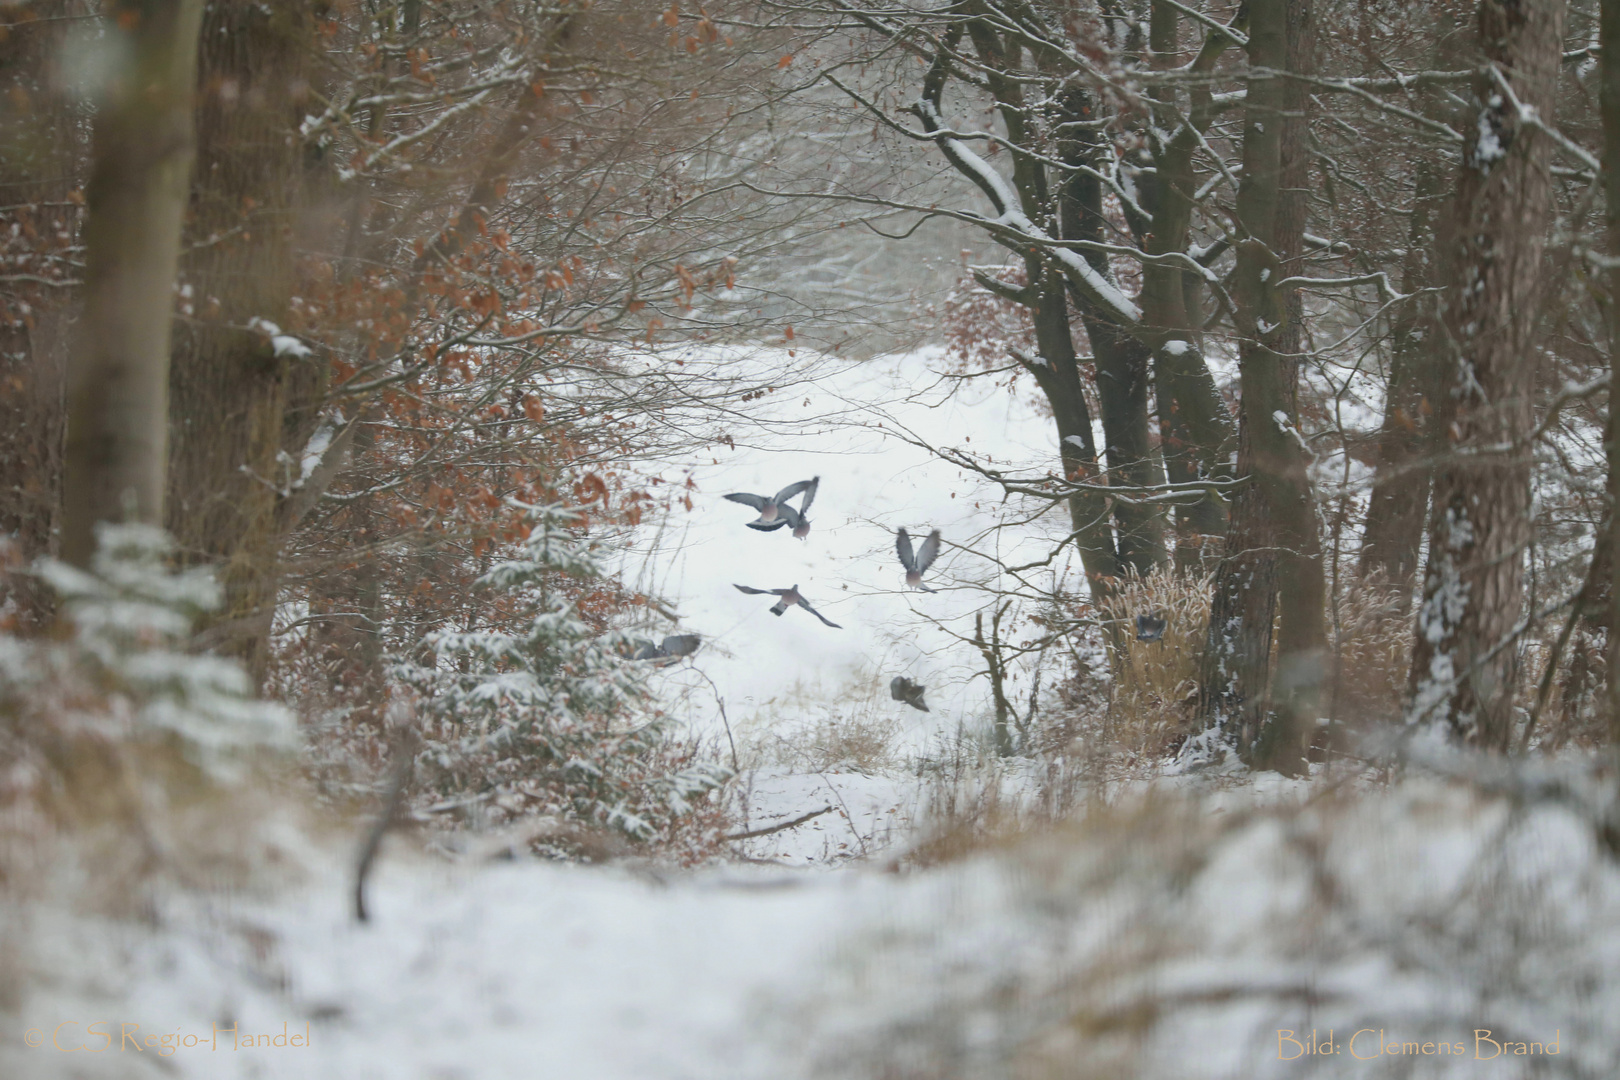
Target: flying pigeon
916, 564
786, 515
1150, 627
673, 647
770, 509
800, 520
903, 689
789, 596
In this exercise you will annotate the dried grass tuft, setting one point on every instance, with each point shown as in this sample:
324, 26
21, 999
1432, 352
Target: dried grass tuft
1374, 650
1155, 682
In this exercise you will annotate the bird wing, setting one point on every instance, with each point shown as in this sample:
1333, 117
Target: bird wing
928, 552
809, 495
754, 592
806, 605
756, 501
771, 526
791, 490
897, 688
902, 547
647, 652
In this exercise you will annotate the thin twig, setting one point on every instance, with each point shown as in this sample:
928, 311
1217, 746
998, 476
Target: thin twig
751, 833
404, 754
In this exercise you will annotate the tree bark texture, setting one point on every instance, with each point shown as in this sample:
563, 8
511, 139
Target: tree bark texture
1121, 357
1609, 536
1057, 369
1400, 494
234, 391
1272, 534
1196, 433
1302, 649
118, 400
1465, 662
43, 156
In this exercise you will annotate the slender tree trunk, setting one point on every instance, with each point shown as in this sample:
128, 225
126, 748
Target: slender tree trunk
118, 370
1465, 663
44, 154
1059, 379
1196, 434
1122, 359
232, 387
1609, 537
1267, 513
1400, 492
1057, 369
1302, 648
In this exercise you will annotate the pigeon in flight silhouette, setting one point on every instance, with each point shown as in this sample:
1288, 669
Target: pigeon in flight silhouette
671, 648
903, 689
788, 596
917, 563
771, 508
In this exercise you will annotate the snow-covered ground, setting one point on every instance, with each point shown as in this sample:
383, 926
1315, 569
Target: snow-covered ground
855, 427
1162, 937
1202, 926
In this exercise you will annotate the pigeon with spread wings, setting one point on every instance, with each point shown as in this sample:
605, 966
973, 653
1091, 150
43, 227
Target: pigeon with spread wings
788, 596
771, 507
800, 519
670, 650
918, 562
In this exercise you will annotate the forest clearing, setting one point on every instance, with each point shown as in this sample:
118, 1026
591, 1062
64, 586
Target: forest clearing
983, 539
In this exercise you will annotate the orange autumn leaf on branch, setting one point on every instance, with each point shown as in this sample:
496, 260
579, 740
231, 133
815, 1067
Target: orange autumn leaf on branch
592, 487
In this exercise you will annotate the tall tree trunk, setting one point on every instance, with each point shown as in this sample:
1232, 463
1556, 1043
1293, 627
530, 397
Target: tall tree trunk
1057, 370
1400, 492
1196, 434
1609, 536
118, 402
1271, 514
1302, 648
1059, 379
1465, 664
1122, 359
43, 156
232, 386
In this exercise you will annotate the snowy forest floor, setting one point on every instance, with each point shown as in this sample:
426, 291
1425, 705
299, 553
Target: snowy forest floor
1179, 930
1187, 926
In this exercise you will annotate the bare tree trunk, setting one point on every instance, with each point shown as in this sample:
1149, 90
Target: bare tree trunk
1057, 370
1122, 359
1273, 532
1302, 648
1059, 379
1465, 663
44, 157
232, 388
1609, 537
1400, 492
1196, 434
118, 402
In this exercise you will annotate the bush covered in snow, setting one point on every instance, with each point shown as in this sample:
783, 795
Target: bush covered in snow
544, 714
124, 672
